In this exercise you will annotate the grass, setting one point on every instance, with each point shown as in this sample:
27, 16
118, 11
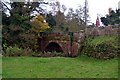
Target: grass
100, 39
59, 67
103, 39
0, 66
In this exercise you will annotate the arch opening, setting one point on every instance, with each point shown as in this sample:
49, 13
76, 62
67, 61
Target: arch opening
53, 46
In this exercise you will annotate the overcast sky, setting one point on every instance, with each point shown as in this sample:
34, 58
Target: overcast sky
95, 6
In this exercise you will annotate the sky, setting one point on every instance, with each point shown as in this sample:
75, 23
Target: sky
96, 7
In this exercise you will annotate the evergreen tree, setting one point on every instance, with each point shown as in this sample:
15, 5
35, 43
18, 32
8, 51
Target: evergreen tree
19, 20
111, 19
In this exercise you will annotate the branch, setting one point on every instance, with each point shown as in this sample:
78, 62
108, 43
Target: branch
6, 6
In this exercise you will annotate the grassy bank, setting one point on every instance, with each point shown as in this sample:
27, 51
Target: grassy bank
101, 39
59, 67
102, 47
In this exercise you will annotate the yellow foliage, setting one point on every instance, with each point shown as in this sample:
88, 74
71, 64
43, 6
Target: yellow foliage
39, 24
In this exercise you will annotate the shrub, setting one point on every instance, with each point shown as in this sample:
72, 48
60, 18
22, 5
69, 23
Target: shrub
48, 54
58, 53
29, 40
101, 47
13, 51
28, 52
106, 50
16, 51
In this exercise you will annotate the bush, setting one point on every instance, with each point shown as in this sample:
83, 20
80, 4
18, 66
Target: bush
58, 53
48, 54
30, 40
16, 51
28, 52
100, 47
106, 50
13, 51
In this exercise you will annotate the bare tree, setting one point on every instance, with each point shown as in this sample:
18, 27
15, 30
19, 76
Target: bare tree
56, 6
85, 11
80, 15
70, 14
74, 20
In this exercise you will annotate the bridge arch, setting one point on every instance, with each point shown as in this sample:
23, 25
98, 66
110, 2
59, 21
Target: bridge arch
54, 46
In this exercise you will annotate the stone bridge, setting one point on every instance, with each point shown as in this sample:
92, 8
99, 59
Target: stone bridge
66, 43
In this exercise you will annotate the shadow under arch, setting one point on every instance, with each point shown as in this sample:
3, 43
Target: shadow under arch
53, 46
